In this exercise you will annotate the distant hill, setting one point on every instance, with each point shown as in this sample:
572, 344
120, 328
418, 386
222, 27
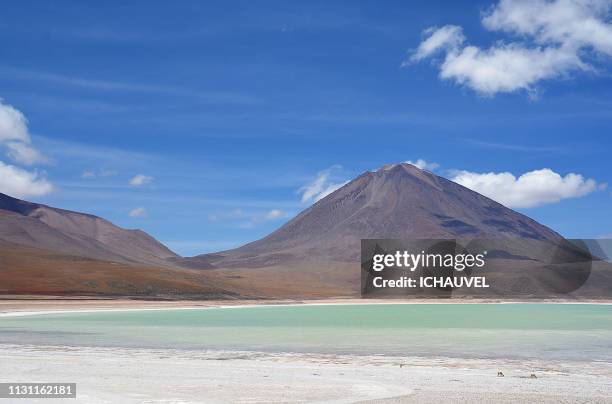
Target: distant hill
78, 234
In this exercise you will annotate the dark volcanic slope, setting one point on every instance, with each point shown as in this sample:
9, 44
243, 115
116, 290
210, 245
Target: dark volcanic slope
62, 231
397, 201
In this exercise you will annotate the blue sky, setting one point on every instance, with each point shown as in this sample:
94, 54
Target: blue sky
230, 111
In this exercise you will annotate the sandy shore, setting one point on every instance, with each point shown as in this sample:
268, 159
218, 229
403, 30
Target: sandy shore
49, 304
110, 375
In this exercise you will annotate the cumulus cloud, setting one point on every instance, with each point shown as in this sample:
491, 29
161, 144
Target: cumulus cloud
507, 68
553, 40
20, 183
140, 180
448, 37
424, 165
321, 186
534, 188
137, 212
24, 154
13, 124
15, 137
16, 140
572, 22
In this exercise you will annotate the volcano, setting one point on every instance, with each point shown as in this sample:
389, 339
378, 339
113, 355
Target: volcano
320, 249
398, 201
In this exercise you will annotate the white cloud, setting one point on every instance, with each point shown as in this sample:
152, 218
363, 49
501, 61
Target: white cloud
274, 214
24, 154
322, 186
447, 37
555, 38
13, 125
424, 165
138, 212
508, 68
534, 188
20, 183
16, 138
580, 23
140, 180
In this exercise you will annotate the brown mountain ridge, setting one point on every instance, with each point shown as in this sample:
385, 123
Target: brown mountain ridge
316, 254
79, 234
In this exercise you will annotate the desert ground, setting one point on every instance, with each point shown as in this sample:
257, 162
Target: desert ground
110, 375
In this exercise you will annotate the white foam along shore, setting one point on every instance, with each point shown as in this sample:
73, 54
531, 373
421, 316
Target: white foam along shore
128, 375
16, 309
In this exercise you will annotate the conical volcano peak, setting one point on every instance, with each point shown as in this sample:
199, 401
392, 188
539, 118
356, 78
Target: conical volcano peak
400, 172
403, 168
387, 167
397, 201
392, 166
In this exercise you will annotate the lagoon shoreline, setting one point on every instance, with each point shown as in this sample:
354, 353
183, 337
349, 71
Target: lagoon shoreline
181, 372
31, 305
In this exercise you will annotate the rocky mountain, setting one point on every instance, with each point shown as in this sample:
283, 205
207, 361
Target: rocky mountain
398, 201
319, 251
315, 255
77, 234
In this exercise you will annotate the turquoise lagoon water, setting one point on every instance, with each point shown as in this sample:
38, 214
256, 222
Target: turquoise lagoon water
542, 331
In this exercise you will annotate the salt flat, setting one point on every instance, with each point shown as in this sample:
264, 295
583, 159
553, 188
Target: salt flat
111, 375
